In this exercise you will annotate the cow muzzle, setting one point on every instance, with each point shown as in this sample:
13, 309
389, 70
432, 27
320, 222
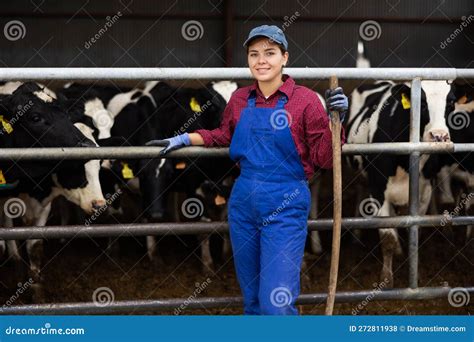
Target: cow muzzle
439, 135
98, 204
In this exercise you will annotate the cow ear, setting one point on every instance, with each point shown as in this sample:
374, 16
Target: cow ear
113, 141
401, 92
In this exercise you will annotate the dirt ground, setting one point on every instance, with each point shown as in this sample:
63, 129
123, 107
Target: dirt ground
74, 269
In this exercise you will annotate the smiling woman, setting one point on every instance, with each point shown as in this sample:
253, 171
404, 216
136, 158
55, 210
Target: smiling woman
278, 133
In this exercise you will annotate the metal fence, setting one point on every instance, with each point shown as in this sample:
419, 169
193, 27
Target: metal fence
413, 148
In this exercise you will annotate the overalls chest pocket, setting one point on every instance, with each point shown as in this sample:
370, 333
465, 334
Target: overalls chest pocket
262, 146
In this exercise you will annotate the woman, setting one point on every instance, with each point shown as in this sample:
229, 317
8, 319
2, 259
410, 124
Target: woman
278, 132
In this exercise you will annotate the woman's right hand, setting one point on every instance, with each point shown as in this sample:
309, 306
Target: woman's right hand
171, 144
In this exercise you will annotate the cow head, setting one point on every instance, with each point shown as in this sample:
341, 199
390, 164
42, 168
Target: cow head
34, 119
436, 93
79, 182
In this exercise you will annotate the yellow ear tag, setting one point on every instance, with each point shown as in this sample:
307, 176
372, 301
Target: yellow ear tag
6, 125
405, 101
2, 178
219, 200
195, 106
127, 172
463, 99
180, 166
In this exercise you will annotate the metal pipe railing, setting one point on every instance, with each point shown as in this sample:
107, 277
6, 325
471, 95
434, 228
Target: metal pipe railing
139, 152
143, 229
413, 148
139, 306
145, 74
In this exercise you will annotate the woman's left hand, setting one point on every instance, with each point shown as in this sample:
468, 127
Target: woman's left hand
336, 100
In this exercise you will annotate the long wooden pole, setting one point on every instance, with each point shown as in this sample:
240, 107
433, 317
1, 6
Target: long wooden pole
337, 208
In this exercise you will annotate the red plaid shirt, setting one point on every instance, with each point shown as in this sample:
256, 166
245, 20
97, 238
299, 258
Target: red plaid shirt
309, 122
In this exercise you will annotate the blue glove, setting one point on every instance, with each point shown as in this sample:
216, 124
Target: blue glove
171, 144
337, 101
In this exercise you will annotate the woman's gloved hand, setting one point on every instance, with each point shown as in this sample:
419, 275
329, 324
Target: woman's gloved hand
171, 144
336, 100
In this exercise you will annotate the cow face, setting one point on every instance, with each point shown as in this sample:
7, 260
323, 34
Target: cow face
37, 120
436, 95
82, 185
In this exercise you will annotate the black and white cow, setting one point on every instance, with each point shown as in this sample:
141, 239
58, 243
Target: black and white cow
44, 123
380, 112
458, 167
180, 110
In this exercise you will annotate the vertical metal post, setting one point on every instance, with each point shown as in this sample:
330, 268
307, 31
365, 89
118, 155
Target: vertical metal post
414, 176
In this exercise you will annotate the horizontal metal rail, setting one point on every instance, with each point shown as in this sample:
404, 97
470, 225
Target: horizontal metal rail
139, 306
142, 229
139, 152
228, 73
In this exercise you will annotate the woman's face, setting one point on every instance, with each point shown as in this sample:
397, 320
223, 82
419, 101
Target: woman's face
265, 59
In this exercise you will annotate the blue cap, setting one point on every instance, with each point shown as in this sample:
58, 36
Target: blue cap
273, 32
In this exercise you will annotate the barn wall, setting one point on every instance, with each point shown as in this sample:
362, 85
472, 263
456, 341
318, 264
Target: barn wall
149, 32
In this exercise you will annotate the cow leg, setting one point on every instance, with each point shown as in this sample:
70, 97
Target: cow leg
34, 248
390, 245
444, 184
426, 192
226, 247
469, 209
205, 243
3, 247
357, 233
151, 248
315, 240
65, 214
13, 251
206, 256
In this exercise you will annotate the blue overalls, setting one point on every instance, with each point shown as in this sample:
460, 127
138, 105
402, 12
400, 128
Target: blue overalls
268, 210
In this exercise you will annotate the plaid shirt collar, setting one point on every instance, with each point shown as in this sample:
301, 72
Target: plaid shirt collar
286, 88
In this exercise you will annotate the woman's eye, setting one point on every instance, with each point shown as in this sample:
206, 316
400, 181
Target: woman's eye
270, 53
